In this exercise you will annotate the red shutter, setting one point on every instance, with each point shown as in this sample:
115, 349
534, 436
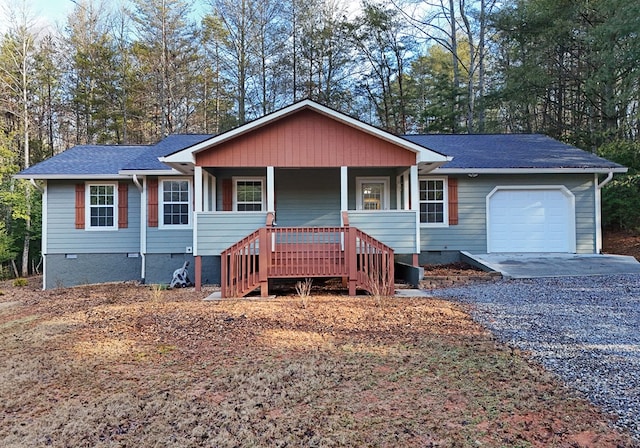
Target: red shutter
152, 202
453, 201
80, 212
123, 205
227, 195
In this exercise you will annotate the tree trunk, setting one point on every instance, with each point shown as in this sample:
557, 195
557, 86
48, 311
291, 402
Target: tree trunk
456, 65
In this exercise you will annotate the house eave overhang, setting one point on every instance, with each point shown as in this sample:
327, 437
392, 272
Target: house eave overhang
71, 176
187, 155
530, 170
169, 172
122, 174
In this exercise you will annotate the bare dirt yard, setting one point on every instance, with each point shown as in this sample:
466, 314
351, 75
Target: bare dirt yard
133, 366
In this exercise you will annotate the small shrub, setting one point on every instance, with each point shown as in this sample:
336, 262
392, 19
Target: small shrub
20, 282
156, 291
380, 286
303, 288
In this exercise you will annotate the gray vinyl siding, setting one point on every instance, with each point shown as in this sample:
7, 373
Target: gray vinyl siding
396, 229
471, 232
167, 240
307, 197
216, 231
64, 238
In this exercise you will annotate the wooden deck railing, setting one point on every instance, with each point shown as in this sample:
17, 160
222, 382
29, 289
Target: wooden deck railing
301, 252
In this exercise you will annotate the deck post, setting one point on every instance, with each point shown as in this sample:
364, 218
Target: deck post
352, 261
224, 260
416, 260
263, 261
198, 272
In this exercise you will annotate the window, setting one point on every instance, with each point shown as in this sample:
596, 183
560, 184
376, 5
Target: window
433, 201
176, 202
248, 194
373, 193
102, 200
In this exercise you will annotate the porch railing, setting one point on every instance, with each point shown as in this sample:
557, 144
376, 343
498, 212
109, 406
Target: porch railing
300, 252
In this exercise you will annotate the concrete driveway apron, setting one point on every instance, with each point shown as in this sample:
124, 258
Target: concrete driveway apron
539, 265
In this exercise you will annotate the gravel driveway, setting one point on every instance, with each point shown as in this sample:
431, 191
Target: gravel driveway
585, 329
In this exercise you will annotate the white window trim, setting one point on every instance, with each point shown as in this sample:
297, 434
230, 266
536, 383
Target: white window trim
386, 205
161, 224
87, 207
263, 181
445, 199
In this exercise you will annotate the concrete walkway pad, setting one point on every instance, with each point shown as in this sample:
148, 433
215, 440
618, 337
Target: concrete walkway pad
536, 265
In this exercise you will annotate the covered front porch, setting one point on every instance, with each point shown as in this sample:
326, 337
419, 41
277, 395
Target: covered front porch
303, 192
318, 222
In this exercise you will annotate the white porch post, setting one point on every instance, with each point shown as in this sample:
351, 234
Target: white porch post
271, 198
198, 188
197, 191
406, 187
344, 191
206, 188
415, 204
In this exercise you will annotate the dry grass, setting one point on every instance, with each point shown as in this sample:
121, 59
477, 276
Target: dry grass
115, 366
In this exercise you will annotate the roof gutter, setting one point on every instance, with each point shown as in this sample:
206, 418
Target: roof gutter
531, 170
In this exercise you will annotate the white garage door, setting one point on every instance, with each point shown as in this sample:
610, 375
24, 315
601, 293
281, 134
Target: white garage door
530, 220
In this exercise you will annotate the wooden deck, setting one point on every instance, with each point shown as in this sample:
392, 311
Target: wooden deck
307, 252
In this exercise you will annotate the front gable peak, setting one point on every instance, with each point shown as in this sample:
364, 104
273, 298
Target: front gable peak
305, 134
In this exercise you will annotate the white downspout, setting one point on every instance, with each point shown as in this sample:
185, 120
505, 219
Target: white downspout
605, 181
143, 227
45, 232
598, 204
137, 182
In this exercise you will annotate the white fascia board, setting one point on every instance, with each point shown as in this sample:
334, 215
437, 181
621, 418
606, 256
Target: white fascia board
428, 167
72, 176
529, 170
187, 155
171, 172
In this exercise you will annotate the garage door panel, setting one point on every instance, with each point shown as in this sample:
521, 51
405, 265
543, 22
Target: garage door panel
536, 220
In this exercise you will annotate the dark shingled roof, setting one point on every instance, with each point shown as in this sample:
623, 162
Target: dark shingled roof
95, 160
89, 160
503, 151
169, 145
499, 151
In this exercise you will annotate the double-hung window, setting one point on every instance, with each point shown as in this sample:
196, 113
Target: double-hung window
102, 209
433, 201
176, 202
249, 194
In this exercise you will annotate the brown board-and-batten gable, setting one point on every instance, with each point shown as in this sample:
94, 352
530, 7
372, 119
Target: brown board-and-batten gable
306, 138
